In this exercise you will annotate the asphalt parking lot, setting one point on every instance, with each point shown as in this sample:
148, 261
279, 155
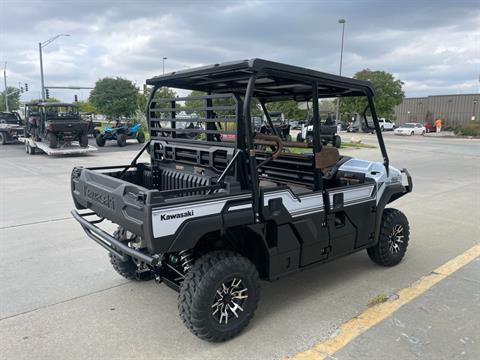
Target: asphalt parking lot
59, 298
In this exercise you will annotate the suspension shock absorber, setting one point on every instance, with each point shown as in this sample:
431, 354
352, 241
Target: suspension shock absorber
186, 258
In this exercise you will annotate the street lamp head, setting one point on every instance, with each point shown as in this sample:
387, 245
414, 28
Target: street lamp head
164, 58
342, 21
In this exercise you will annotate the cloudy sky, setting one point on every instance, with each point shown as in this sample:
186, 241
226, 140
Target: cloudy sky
433, 46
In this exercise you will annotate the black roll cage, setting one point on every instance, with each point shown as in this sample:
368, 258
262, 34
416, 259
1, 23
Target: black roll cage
266, 81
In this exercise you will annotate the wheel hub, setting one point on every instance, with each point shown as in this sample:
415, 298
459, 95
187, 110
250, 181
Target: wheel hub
395, 239
229, 300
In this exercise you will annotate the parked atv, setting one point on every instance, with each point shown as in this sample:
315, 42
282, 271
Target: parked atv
120, 133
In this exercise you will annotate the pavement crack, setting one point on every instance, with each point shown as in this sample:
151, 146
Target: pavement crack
35, 223
63, 301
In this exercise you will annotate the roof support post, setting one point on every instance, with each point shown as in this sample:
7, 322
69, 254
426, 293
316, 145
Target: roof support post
379, 132
252, 160
317, 141
267, 115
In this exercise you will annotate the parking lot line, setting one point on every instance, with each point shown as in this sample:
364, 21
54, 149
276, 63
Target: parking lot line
372, 316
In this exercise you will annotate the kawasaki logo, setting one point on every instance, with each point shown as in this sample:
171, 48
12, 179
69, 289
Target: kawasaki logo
164, 217
102, 199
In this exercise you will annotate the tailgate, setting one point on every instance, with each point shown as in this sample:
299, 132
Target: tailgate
114, 199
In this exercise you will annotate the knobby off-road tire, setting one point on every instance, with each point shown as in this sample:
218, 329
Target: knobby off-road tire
337, 142
393, 239
83, 140
141, 137
128, 269
100, 140
216, 279
122, 140
52, 140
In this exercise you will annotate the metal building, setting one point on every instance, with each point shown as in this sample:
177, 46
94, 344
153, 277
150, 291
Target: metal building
454, 110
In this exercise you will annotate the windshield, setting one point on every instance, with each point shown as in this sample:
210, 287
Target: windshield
8, 118
61, 112
409, 125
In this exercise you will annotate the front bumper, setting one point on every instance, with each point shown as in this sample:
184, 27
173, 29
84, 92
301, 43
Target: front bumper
109, 243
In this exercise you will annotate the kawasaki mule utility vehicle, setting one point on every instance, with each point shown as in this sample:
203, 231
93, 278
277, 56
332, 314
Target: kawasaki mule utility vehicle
56, 124
210, 218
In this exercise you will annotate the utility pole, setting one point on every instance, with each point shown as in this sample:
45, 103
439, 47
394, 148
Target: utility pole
5, 83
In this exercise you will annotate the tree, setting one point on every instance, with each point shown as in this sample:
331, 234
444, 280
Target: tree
164, 92
289, 108
115, 97
388, 94
86, 107
13, 99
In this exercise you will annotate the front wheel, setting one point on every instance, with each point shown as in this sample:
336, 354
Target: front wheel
412, 133
100, 140
141, 137
337, 142
299, 137
3, 139
122, 140
219, 295
393, 239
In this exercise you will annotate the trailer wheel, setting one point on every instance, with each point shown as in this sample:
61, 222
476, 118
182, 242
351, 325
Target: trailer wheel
84, 140
100, 140
141, 137
122, 140
393, 239
128, 269
337, 141
52, 140
219, 295
3, 139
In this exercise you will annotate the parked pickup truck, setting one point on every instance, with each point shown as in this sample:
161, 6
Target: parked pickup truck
11, 127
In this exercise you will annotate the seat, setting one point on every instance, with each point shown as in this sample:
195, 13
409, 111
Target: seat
327, 158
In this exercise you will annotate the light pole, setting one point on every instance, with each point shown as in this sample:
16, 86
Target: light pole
5, 82
341, 21
41, 45
163, 63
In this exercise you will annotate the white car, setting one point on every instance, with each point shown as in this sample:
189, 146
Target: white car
410, 129
386, 124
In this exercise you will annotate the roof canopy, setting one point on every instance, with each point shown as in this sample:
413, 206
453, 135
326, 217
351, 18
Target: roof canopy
275, 81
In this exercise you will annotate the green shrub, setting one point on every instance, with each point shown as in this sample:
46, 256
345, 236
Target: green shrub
472, 128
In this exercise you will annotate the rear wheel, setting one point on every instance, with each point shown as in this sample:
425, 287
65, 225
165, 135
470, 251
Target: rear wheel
128, 269
412, 133
3, 139
141, 137
52, 140
299, 137
122, 140
84, 140
393, 239
219, 295
100, 140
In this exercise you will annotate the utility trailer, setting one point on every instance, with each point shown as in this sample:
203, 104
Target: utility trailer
67, 148
210, 218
